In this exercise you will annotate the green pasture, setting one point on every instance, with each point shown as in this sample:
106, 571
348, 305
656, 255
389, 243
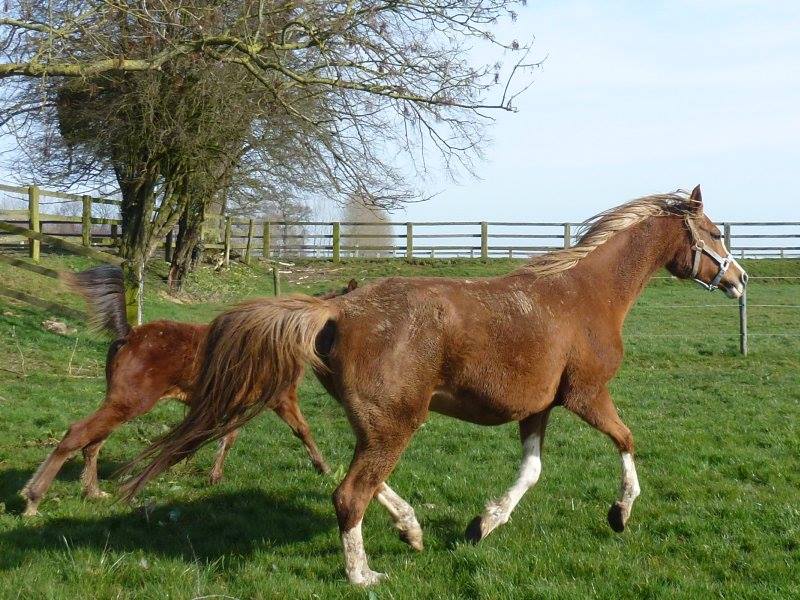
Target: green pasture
718, 455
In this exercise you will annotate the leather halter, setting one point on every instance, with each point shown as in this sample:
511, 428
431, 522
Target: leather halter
699, 248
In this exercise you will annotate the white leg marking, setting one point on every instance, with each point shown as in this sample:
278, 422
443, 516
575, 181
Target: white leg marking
629, 488
403, 515
355, 559
498, 511
219, 459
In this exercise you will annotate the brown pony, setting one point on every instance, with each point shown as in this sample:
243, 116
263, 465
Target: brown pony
489, 351
144, 364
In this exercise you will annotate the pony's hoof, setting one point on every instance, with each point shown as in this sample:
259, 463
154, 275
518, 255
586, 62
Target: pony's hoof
368, 577
214, 478
322, 468
474, 532
616, 517
97, 495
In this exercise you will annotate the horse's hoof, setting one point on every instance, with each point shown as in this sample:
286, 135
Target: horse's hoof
368, 577
413, 538
214, 479
31, 511
474, 532
322, 468
616, 517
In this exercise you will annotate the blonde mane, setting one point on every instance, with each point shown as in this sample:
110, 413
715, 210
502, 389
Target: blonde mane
597, 230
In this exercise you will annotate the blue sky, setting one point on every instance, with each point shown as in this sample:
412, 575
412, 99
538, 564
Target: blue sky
634, 98
643, 97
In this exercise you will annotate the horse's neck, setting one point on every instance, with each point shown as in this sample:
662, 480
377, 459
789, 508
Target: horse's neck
621, 268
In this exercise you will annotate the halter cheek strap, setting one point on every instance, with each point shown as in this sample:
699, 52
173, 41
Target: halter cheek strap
699, 249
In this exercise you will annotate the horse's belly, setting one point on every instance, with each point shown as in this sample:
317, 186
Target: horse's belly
473, 408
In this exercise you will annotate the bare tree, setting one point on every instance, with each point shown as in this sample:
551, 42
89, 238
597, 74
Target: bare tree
346, 84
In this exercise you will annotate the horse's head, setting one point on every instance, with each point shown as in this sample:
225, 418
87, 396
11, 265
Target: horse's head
703, 257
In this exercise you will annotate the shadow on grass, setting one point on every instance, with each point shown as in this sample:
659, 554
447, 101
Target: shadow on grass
229, 523
448, 530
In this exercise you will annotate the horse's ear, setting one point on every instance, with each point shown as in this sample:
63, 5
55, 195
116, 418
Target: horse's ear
696, 195
351, 285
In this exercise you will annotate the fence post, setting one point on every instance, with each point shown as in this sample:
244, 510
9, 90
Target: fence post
567, 235
727, 228
336, 241
484, 240
409, 241
249, 243
227, 242
276, 280
743, 323
86, 220
33, 220
114, 234
265, 240
168, 247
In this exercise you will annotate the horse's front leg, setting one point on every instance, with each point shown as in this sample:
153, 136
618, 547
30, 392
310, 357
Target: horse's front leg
497, 512
601, 414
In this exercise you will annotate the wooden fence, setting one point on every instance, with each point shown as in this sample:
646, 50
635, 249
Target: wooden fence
337, 240
67, 226
465, 239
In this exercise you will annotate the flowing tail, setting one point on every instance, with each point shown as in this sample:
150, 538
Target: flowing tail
104, 291
252, 354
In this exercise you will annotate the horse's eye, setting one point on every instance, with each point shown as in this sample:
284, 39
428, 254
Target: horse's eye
716, 236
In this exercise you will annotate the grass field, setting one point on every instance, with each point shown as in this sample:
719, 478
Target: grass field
718, 456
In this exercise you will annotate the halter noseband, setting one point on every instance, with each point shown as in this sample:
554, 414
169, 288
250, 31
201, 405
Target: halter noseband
699, 247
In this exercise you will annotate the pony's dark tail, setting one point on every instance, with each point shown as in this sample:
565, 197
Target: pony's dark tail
253, 353
103, 289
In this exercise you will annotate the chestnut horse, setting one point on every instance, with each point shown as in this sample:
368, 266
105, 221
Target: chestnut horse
144, 364
489, 351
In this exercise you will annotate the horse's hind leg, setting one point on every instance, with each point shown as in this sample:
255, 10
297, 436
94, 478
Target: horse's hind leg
497, 512
94, 428
381, 439
224, 446
602, 415
91, 489
402, 513
288, 409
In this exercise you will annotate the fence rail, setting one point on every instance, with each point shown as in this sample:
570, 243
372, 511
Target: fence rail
338, 240
461, 239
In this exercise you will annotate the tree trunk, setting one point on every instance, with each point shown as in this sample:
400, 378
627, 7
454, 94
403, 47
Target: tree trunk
138, 200
188, 245
143, 227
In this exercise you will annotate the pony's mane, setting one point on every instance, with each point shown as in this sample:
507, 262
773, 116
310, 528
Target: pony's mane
597, 230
